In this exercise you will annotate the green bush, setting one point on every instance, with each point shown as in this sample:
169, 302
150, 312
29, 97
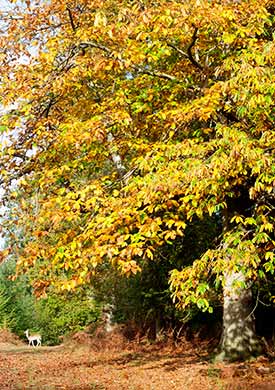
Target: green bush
61, 315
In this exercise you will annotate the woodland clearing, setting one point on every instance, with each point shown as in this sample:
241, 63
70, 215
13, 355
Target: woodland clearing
114, 364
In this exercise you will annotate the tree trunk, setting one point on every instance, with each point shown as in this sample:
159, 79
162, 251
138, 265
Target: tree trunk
239, 340
115, 155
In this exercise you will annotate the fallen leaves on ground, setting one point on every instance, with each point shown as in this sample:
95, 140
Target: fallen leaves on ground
136, 367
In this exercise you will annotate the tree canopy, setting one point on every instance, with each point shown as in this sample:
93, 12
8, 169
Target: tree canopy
129, 122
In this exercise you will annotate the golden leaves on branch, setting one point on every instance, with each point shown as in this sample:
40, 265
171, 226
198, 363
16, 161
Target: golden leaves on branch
186, 91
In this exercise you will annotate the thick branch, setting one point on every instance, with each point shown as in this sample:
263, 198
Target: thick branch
189, 49
71, 19
48, 105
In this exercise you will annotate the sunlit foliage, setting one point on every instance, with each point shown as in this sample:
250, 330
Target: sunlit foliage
132, 119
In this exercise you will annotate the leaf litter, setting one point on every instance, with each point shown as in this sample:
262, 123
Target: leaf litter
112, 363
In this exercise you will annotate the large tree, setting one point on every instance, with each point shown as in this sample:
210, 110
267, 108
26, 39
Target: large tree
131, 121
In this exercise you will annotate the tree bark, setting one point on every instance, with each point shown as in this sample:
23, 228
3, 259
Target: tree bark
239, 340
117, 161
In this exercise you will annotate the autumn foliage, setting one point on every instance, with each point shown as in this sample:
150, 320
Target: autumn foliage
126, 123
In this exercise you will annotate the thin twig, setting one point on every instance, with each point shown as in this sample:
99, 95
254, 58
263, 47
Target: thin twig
254, 308
181, 52
86, 45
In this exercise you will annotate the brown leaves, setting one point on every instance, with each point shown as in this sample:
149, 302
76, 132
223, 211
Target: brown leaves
111, 362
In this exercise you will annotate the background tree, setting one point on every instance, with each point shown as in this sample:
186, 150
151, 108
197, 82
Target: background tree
133, 120
7, 317
20, 303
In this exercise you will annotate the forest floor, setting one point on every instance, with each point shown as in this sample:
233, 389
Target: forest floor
117, 365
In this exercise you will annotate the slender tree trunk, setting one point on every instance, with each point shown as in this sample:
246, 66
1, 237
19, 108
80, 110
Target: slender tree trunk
239, 340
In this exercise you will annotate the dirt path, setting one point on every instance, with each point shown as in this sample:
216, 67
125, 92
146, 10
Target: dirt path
150, 368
